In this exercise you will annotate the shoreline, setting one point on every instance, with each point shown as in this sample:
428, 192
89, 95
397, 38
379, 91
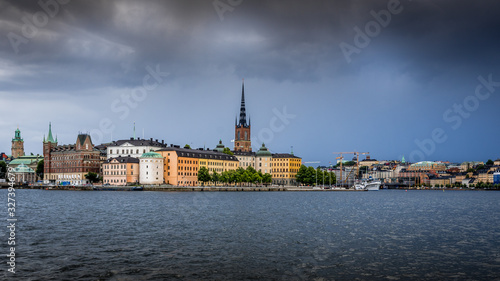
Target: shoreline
218, 188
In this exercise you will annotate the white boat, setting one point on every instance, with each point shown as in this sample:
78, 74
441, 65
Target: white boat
368, 184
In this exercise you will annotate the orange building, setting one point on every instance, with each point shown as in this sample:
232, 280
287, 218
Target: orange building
181, 165
121, 171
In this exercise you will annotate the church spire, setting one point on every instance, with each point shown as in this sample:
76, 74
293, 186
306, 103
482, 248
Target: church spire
49, 137
243, 115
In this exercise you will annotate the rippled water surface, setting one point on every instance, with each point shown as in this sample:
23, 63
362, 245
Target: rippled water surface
395, 235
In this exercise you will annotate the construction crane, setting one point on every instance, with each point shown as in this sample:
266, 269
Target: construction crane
341, 157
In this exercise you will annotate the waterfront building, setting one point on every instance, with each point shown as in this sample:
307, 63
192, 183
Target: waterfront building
485, 176
284, 168
467, 165
427, 166
440, 181
29, 160
368, 162
246, 158
383, 175
121, 171
17, 144
133, 147
151, 168
24, 174
242, 140
496, 178
263, 160
182, 164
68, 164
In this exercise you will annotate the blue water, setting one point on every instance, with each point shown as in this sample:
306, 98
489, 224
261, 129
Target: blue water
386, 235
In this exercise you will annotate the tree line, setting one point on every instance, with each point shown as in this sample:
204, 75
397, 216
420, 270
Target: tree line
238, 176
311, 176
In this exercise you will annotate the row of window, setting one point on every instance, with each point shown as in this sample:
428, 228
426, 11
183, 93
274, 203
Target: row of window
127, 151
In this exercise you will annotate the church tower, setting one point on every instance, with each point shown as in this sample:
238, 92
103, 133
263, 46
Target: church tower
242, 129
17, 145
48, 144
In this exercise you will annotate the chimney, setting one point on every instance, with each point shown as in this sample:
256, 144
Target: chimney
156, 140
162, 142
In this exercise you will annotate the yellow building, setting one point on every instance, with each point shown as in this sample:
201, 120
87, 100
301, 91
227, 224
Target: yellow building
427, 166
284, 168
181, 165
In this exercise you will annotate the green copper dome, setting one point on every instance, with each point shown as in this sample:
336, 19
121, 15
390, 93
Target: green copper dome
151, 154
23, 169
220, 146
263, 152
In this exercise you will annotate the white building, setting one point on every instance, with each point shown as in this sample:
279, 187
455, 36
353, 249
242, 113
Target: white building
133, 147
151, 168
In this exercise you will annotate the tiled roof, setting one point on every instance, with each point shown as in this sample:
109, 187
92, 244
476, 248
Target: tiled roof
138, 142
197, 153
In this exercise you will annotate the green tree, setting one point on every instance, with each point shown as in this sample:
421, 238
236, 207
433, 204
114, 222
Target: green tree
203, 175
227, 151
39, 169
267, 178
490, 162
257, 177
301, 174
187, 146
224, 177
239, 175
92, 177
310, 176
470, 170
3, 169
214, 177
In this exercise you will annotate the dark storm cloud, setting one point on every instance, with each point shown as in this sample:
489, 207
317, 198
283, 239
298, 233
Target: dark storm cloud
293, 40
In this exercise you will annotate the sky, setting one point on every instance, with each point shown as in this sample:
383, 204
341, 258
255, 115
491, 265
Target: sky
392, 78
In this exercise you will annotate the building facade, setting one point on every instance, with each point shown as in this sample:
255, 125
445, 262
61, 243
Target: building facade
182, 164
263, 160
68, 164
133, 147
121, 171
17, 145
151, 168
24, 174
242, 138
284, 168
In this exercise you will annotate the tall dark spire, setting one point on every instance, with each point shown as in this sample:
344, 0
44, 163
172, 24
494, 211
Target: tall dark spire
243, 115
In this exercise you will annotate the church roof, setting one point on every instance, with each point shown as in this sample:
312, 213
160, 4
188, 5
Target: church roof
27, 159
23, 169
